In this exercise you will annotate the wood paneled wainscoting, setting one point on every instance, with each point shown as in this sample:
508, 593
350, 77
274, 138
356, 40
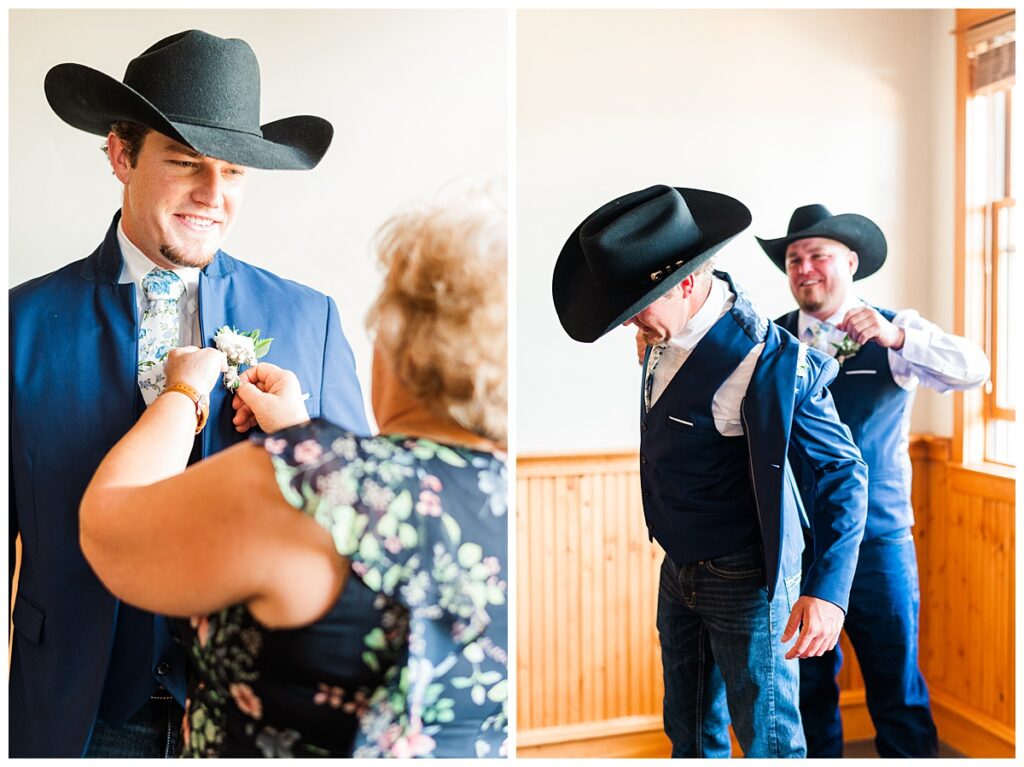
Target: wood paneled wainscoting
589, 670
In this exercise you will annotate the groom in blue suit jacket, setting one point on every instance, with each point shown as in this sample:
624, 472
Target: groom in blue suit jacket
92, 676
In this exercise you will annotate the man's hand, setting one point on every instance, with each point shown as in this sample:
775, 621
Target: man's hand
641, 347
865, 324
269, 397
819, 621
199, 368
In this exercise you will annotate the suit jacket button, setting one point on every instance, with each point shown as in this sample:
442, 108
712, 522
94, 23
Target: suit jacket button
643, 426
163, 668
643, 459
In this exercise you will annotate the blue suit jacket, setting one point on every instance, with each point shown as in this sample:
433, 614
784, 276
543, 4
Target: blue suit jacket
787, 405
806, 420
73, 394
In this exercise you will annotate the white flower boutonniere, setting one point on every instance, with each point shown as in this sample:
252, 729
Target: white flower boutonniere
240, 349
846, 349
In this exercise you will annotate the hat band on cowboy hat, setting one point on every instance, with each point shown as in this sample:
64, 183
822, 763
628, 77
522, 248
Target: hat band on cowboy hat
631, 251
198, 89
858, 233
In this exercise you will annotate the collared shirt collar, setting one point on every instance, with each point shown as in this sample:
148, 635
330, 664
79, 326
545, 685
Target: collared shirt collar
807, 321
701, 322
137, 264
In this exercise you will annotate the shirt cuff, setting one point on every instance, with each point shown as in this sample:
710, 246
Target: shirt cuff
916, 343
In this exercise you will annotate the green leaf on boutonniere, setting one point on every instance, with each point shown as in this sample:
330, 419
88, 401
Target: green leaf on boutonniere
262, 347
846, 349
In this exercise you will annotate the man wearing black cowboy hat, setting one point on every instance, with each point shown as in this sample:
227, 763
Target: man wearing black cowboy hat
725, 395
883, 355
91, 675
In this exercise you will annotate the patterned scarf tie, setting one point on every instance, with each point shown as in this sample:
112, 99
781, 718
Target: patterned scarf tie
652, 363
820, 336
159, 329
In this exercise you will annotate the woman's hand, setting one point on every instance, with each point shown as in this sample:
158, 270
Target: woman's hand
199, 368
269, 397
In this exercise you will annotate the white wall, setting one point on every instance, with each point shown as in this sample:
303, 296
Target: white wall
417, 98
852, 109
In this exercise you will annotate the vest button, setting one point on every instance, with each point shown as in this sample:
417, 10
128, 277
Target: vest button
643, 426
643, 458
163, 668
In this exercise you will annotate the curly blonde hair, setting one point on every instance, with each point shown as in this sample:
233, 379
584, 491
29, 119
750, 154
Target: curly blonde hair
441, 316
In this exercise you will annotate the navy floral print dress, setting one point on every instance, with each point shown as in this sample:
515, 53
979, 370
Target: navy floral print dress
412, 659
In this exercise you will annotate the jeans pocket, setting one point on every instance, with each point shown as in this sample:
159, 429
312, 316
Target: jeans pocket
746, 563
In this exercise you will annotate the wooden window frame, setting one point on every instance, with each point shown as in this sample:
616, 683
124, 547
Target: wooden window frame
974, 276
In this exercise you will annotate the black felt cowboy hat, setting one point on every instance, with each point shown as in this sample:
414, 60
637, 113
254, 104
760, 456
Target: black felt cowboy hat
631, 251
856, 232
201, 90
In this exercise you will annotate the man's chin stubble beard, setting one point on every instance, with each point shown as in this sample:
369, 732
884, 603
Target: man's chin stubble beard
176, 258
810, 305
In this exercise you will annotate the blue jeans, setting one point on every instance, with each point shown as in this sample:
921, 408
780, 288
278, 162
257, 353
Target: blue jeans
882, 627
722, 656
154, 732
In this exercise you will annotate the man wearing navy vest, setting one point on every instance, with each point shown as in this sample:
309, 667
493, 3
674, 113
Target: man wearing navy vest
92, 676
883, 356
725, 395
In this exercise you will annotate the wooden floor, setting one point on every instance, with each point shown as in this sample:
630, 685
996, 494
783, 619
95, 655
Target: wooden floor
865, 749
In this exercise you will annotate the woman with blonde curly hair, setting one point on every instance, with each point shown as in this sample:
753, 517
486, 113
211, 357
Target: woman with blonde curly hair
374, 623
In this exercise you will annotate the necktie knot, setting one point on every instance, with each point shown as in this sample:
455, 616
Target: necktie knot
820, 335
162, 285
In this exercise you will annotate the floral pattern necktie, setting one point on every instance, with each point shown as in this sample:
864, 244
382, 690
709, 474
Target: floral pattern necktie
652, 362
820, 337
159, 329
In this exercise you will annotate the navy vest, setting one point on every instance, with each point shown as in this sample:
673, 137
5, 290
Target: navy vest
697, 494
144, 654
875, 408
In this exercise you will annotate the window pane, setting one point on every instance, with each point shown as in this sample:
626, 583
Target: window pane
1008, 380
1001, 442
997, 119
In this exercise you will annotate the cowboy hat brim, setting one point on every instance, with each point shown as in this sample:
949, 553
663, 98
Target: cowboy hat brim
856, 232
587, 310
90, 100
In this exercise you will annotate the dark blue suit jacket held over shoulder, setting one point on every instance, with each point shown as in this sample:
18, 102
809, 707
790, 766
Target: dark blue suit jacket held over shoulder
73, 394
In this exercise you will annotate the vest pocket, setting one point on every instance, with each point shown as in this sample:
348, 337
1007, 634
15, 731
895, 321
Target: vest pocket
685, 425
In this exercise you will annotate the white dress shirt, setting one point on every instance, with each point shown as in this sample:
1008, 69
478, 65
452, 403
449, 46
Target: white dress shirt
929, 356
137, 264
725, 405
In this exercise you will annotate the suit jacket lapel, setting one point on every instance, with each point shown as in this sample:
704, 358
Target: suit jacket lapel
116, 328
222, 301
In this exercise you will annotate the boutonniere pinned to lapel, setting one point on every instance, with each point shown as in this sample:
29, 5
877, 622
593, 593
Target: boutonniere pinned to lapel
240, 349
845, 349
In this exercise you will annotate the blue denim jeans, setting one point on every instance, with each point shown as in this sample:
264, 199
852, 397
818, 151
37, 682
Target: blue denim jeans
882, 627
154, 732
722, 657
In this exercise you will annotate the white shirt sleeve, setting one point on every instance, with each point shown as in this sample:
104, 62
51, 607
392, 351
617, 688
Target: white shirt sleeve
934, 358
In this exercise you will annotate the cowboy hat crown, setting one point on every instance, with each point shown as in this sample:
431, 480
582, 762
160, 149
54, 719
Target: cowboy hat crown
631, 251
197, 88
